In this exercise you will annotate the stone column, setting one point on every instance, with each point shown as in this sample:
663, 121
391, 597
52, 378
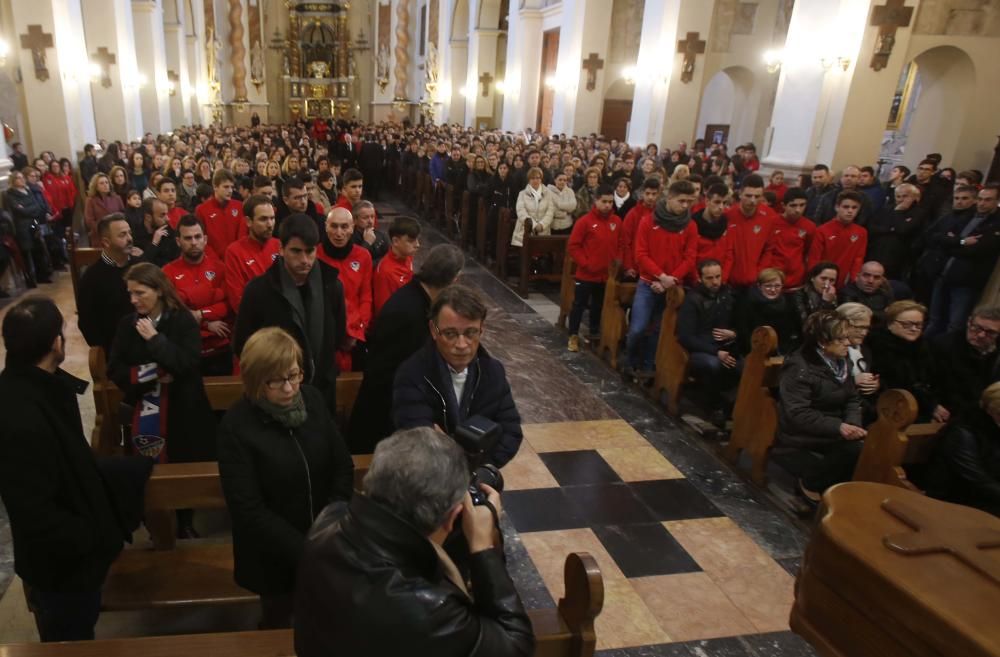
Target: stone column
237, 51
577, 110
5, 165
482, 59
60, 112
402, 51
194, 46
177, 68
524, 52
151, 56
116, 95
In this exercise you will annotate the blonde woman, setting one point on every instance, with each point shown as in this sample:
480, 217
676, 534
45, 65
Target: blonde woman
101, 201
534, 205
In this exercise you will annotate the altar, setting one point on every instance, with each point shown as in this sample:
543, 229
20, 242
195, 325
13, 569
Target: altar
319, 67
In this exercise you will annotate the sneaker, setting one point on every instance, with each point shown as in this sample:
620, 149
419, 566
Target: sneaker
574, 343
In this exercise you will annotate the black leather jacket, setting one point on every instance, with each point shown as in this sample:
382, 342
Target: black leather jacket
370, 585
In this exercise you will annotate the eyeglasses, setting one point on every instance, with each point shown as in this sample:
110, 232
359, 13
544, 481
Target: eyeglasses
292, 379
772, 286
451, 334
861, 327
910, 326
982, 330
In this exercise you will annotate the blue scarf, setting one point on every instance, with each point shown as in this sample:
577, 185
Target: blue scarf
149, 420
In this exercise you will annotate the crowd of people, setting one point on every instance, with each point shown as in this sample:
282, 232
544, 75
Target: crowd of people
258, 252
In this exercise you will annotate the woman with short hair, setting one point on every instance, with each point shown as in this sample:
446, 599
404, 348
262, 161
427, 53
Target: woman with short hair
765, 305
859, 354
819, 409
534, 207
281, 461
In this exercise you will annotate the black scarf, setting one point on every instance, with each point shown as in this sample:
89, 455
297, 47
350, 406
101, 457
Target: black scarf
713, 230
335, 252
675, 223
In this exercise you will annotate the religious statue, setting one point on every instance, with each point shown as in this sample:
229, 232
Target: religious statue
319, 69
286, 66
382, 66
432, 64
257, 65
214, 50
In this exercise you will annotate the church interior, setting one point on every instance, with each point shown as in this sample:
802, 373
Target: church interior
699, 541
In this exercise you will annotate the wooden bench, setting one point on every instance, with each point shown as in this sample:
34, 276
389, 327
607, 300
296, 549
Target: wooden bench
671, 357
79, 259
448, 223
541, 245
482, 221
567, 289
505, 231
618, 295
564, 631
755, 414
893, 441
106, 436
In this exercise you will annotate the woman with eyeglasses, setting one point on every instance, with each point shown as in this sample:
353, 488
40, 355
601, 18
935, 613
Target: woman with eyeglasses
765, 305
901, 358
859, 354
281, 461
819, 408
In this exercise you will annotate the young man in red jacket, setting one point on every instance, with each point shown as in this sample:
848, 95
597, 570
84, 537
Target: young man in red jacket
751, 222
351, 190
842, 241
665, 248
354, 263
199, 279
396, 269
596, 240
250, 256
166, 191
715, 239
221, 215
788, 245
644, 208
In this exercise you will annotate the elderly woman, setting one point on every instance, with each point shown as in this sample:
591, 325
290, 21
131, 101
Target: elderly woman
965, 468
859, 319
765, 305
281, 460
534, 206
819, 292
563, 204
586, 195
902, 359
819, 408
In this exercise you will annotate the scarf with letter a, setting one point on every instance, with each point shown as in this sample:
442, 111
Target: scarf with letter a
149, 421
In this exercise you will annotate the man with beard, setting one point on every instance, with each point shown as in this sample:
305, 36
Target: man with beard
102, 299
252, 255
822, 182
354, 263
199, 279
154, 236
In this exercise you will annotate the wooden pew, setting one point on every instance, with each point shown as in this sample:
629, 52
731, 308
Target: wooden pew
465, 220
79, 259
567, 289
755, 414
563, 631
617, 296
671, 357
894, 441
482, 220
106, 437
448, 217
505, 231
541, 245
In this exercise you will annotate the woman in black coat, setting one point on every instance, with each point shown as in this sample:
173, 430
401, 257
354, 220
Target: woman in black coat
902, 358
156, 361
819, 292
281, 460
765, 305
891, 232
818, 408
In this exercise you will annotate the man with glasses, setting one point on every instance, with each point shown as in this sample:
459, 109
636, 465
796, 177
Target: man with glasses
453, 378
966, 361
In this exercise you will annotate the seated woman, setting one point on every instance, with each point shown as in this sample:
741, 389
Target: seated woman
765, 305
859, 318
819, 292
819, 409
534, 206
965, 468
281, 460
156, 362
902, 359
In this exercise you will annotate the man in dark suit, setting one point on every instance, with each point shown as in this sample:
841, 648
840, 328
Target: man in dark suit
371, 162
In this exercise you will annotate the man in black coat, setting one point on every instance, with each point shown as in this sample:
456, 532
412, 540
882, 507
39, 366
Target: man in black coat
303, 296
931, 248
377, 579
870, 288
102, 299
400, 330
966, 361
370, 161
453, 378
65, 528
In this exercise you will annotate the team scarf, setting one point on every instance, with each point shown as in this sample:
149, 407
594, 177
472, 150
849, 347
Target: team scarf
149, 420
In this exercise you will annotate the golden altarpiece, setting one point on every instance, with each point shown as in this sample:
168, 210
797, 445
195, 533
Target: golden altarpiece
318, 61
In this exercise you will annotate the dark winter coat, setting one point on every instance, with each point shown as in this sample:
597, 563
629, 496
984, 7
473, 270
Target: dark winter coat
813, 403
965, 467
806, 300
970, 265
960, 373
102, 301
423, 395
905, 365
276, 481
702, 312
891, 233
877, 301
757, 310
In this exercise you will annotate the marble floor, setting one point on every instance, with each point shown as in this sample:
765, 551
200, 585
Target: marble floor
696, 562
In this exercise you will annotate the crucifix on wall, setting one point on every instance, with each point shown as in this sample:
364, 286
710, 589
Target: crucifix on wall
592, 65
104, 60
887, 18
486, 79
690, 47
37, 41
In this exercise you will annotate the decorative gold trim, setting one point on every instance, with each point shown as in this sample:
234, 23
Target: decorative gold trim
898, 113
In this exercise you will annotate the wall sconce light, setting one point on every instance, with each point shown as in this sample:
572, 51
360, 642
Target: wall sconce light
828, 62
630, 74
463, 91
500, 86
4, 51
773, 59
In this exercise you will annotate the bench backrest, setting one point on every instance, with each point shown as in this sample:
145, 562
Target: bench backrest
617, 295
567, 288
893, 440
671, 357
79, 259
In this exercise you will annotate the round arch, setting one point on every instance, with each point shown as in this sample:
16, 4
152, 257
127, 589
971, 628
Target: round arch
725, 100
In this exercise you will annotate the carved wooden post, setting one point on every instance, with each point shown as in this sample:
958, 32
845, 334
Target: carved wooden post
238, 51
402, 48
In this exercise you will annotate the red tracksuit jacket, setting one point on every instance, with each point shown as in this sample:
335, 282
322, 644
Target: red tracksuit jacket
224, 224
720, 249
174, 216
594, 243
630, 225
202, 287
356, 275
342, 202
787, 249
659, 251
391, 274
246, 259
844, 244
749, 235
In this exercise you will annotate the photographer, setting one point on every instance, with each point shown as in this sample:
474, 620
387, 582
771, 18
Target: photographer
452, 378
375, 579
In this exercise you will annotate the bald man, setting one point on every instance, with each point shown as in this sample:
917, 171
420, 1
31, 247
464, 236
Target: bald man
870, 288
354, 262
850, 180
